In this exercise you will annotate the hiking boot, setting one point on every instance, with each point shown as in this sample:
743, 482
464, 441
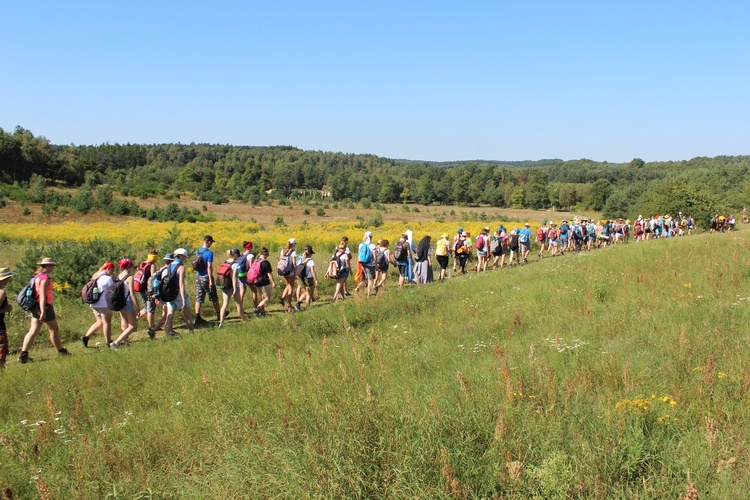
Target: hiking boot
63, 352
85, 341
24, 357
199, 320
151, 333
297, 306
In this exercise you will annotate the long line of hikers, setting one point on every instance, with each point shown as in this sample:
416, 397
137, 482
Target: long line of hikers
136, 292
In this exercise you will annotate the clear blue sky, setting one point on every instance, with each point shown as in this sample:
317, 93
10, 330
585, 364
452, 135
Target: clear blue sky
502, 80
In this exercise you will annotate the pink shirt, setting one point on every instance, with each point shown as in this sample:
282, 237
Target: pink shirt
38, 285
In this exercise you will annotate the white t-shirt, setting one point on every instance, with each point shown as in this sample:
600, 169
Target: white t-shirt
103, 282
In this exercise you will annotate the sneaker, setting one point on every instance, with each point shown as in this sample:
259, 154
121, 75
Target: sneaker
297, 306
347, 294
24, 357
113, 345
221, 325
199, 320
85, 341
63, 352
151, 333
170, 333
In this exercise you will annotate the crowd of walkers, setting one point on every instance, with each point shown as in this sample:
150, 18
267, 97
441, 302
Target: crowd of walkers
156, 290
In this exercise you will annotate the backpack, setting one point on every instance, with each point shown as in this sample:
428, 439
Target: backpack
169, 285
335, 265
552, 234
495, 244
461, 247
479, 244
577, 232
300, 270
513, 241
381, 262
564, 230
541, 234
27, 298
591, 229
224, 273
140, 278
115, 296
90, 291
285, 267
365, 253
198, 262
242, 266
400, 252
253, 273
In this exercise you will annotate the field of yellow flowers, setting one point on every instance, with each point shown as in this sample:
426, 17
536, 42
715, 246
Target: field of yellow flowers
230, 234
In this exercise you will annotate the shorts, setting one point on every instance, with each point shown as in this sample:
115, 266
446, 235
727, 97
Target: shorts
202, 289
129, 307
525, 246
343, 276
564, 241
442, 261
512, 249
553, 243
307, 282
149, 304
383, 269
402, 268
368, 272
592, 238
49, 312
180, 302
481, 253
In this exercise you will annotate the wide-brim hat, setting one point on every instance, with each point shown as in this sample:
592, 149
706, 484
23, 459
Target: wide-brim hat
6, 273
46, 261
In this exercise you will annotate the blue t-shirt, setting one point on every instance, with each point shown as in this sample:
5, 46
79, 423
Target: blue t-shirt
208, 256
525, 235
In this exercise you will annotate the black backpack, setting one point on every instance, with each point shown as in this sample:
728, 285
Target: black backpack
198, 262
169, 286
115, 295
27, 298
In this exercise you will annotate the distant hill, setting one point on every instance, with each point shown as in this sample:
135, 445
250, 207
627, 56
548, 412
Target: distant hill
483, 163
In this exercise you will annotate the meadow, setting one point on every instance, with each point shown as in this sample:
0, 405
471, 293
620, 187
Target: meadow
619, 373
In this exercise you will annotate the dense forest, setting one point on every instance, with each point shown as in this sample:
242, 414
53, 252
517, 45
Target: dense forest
217, 173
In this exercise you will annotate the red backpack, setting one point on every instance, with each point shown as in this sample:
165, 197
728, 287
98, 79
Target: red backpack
141, 276
541, 234
479, 243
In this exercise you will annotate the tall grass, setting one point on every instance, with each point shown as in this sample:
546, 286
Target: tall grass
619, 373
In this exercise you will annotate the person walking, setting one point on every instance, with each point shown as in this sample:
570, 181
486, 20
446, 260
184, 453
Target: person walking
205, 286
230, 286
382, 264
402, 257
366, 258
264, 284
243, 266
146, 270
308, 281
182, 301
44, 312
341, 257
128, 320
285, 270
5, 307
423, 265
102, 314
442, 254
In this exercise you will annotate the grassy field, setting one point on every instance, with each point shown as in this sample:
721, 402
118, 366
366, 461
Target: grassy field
616, 374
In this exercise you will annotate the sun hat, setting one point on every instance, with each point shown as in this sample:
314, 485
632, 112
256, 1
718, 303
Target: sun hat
368, 234
292, 241
46, 261
168, 256
210, 238
181, 251
527, 224
5, 273
125, 263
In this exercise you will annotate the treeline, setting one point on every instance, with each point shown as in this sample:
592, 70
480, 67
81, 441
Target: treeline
218, 173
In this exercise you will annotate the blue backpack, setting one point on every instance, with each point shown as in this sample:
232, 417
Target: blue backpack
365, 253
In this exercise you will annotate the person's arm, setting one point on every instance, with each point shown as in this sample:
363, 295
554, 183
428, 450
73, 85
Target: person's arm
210, 271
135, 297
7, 307
181, 279
312, 272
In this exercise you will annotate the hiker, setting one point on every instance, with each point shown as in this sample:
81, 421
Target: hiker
203, 264
541, 237
366, 259
161, 272
265, 282
553, 242
423, 265
339, 261
514, 247
442, 254
483, 249
182, 301
410, 263
243, 266
401, 257
456, 237
524, 241
128, 321
43, 312
307, 279
382, 264
146, 270
461, 251
5, 276
564, 231
285, 269
102, 314
229, 284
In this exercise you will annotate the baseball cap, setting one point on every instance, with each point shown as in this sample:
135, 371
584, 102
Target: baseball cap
460, 230
182, 251
208, 237
169, 256
368, 234
292, 241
